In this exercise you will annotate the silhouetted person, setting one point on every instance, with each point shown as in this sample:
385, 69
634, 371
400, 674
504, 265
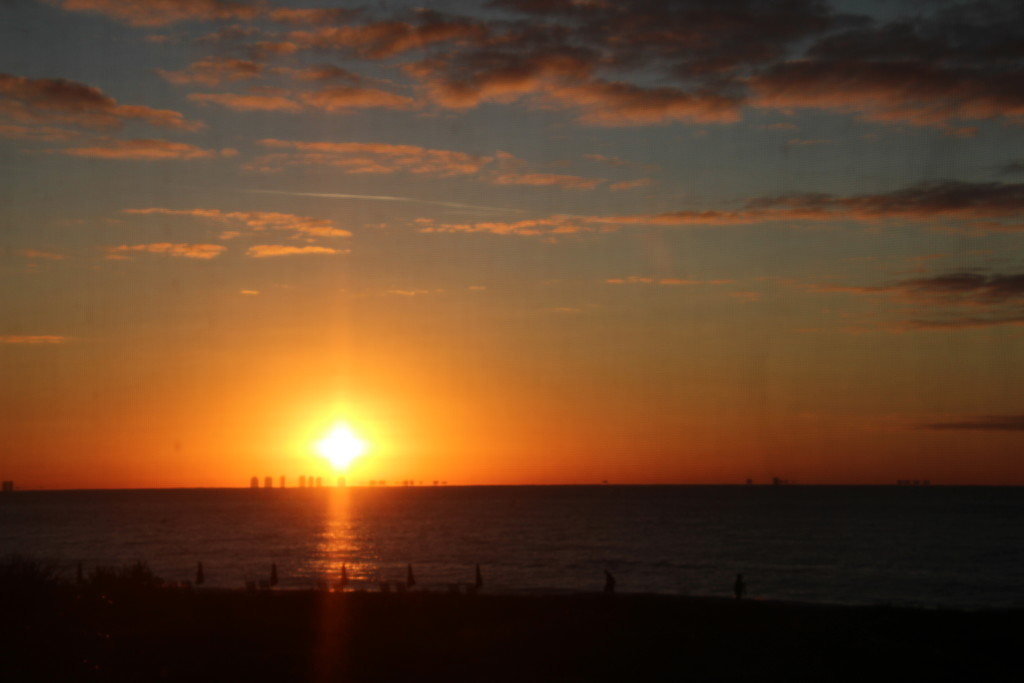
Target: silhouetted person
609, 582
343, 583
273, 574
739, 588
410, 580
200, 576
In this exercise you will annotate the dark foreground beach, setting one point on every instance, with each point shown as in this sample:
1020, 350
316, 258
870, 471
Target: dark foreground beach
68, 632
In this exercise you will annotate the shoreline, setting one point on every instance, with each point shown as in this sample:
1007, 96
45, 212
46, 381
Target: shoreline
133, 632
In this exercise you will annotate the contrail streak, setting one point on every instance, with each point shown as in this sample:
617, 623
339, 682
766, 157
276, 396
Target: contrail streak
387, 198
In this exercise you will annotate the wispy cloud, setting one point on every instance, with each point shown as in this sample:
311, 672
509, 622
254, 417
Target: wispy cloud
388, 198
256, 221
38, 254
55, 100
946, 301
212, 71
549, 227
163, 12
146, 150
571, 182
372, 158
248, 102
182, 250
38, 133
30, 339
270, 250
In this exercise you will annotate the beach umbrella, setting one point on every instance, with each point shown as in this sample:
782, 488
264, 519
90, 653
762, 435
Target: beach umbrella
200, 577
273, 574
410, 580
479, 578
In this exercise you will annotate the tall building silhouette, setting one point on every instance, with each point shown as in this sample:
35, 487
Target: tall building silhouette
254, 483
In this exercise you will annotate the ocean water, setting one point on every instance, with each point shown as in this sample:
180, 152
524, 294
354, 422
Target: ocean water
959, 547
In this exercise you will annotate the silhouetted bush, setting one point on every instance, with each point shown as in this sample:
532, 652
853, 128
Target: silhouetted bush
25, 582
19, 574
130, 578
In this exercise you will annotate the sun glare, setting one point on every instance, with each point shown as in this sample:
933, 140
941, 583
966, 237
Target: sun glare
341, 447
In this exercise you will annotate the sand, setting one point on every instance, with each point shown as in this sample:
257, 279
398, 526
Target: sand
70, 633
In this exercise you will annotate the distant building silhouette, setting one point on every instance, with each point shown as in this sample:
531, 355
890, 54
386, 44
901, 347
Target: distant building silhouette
268, 482
319, 482
302, 482
282, 481
254, 483
8, 486
341, 481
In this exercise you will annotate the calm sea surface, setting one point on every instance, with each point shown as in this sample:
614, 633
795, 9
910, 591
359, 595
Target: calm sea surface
928, 546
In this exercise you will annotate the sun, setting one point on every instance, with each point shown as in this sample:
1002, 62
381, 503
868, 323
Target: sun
341, 447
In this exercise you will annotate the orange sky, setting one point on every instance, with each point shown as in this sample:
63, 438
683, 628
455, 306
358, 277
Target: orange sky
511, 242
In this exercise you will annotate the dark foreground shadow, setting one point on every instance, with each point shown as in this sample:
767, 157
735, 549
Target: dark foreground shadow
128, 627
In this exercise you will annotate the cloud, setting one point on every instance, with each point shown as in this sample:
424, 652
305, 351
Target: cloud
998, 423
250, 102
963, 287
564, 77
56, 100
321, 72
162, 12
269, 250
195, 251
625, 104
924, 202
630, 184
947, 301
37, 133
668, 281
212, 71
334, 99
381, 159
571, 182
313, 17
630, 280
918, 93
337, 98
389, 198
257, 221
37, 254
146, 150
385, 39
32, 339
497, 77
373, 158
1011, 167
548, 227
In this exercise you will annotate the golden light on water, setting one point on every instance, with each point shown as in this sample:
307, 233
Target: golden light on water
341, 447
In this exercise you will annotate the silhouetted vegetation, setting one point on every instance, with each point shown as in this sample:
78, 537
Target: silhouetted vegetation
125, 624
